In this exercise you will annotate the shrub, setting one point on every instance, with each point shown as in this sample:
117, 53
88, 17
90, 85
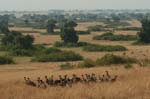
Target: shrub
51, 50
83, 32
62, 44
129, 28
58, 44
109, 59
112, 37
6, 60
36, 50
116, 24
60, 56
96, 28
144, 35
87, 63
22, 52
128, 66
38, 47
5, 48
108, 48
67, 66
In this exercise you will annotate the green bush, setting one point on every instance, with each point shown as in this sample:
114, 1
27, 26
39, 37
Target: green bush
112, 37
22, 52
57, 57
129, 29
62, 44
128, 66
109, 59
102, 48
58, 44
87, 63
6, 60
83, 32
67, 66
51, 50
96, 28
38, 47
6, 48
116, 24
37, 50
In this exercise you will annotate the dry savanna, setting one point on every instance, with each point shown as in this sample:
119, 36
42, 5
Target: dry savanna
132, 82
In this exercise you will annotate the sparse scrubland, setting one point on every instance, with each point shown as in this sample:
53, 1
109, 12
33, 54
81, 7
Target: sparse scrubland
69, 53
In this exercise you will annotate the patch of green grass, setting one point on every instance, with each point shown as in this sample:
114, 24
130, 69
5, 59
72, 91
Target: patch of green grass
128, 66
87, 63
66, 66
112, 37
110, 59
103, 48
58, 57
6, 60
69, 45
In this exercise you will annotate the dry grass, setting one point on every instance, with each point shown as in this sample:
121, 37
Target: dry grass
132, 84
126, 32
85, 25
26, 29
134, 23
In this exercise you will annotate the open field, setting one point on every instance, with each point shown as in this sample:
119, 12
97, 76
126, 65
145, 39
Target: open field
132, 83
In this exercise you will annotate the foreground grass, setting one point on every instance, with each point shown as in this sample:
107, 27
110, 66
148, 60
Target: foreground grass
132, 84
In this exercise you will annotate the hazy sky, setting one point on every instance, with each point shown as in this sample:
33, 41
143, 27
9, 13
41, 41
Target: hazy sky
73, 4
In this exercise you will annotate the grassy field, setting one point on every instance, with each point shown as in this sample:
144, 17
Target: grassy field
132, 83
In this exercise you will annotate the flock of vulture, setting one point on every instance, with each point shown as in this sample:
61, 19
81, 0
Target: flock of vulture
65, 81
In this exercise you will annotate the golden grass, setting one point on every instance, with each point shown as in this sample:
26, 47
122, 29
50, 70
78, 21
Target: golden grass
84, 25
135, 23
132, 84
26, 29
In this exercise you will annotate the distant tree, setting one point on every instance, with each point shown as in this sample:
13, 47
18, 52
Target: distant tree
4, 24
17, 39
115, 17
24, 42
50, 26
70, 24
144, 35
26, 22
68, 33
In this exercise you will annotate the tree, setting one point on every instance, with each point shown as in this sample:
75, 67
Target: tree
50, 26
68, 34
70, 24
144, 35
17, 39
4, 24
24, 42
